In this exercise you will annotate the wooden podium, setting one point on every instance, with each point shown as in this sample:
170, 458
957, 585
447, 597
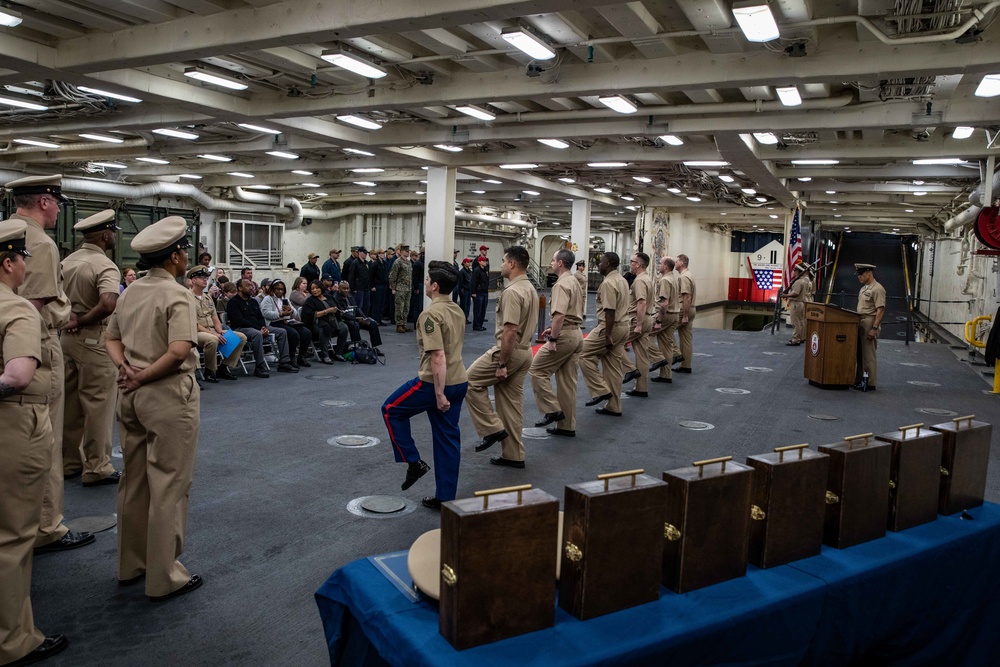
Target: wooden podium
831, 345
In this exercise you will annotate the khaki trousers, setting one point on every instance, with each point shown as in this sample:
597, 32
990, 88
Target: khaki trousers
797, 314
607, 379
563, 364
25, 459
684, 333
641, 349
666, 345
91, 392
509, 396
50, 526
210, 344
867, 359
158, 424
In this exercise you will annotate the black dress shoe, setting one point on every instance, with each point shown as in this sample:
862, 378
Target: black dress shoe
211, 377
561, 431
597, 399
72, 475
302, 363
610, 413
551, 418
664, 380
491, 440
431, 502
48, 648
287, 368
678, 358
631, 375
71, 540
413, 473
134, 580
637, 393
104, 481
501, 461
261, 372
682, 370
793, 344
658, 365
193, 583
225, 374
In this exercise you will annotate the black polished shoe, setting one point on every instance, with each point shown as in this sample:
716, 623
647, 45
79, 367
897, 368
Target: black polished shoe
631, 375
431, 502
597, 399
211, 377
302, 363
51, 646
287, 368
678, 358
609, 413
490, 440
793, 343
134, 580
261, 372
551, 418
637, 393
413, 473
658, 365
501, 461
72, 475
664, 380
105, 481
565, 432
682, 370
193, 583
225, 374
71, 540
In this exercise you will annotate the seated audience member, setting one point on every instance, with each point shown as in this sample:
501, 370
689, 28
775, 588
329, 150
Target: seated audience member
265, 289
321, 316
280, 314
247, 273
228, 292
128, 277
211, 334
245, 316
330, 289
354, 318
299, 293
215, 291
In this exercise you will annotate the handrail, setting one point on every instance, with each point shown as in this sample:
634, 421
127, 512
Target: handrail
970, 333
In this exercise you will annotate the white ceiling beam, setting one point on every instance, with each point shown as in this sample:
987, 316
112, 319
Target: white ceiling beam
741, 156
714, 16
537, 182
153, 11
634, 20
87, 17
203, 7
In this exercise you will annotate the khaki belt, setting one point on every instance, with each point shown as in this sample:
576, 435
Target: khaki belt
26, 400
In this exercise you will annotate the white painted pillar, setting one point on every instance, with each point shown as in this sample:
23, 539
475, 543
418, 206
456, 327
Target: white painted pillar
580, 233
439, 223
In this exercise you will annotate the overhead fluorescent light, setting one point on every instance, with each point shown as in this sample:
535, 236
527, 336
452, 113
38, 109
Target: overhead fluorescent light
627, 198
815, 163
449, 148
533, 193
603, 191
940, 160
240, 174
369, 194
257, 187
726, 178
989, 86
353, 63
762, 199
766, 138
309, 185
476, 112
103, 137
642, 179
554, 143
909, 210
567, 179
355, 151
756, 21
773, 216
831, 192
302, 172
789, 96
284, 154
706, 163
671, 139
519, 165
962, 132
368, 170
526, 42
258, 128
193, 177
493, 181
36, 142
804, 179
110, 165
9, 18
366, 184
919, 193
358, 121
107, 93
215, 79
618, 103
607, 165
22, 104
419, 192
748, 191
478, 192
693, 198
153, 160
217, 158
676, 191
177, 134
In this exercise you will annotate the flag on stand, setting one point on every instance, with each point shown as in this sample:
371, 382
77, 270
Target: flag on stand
794, 245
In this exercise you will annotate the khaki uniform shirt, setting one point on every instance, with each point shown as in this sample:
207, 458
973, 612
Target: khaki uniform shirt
518, 304
89, 273
204, 308
613, 294
668, 290
401, 275
641, 290
43, 278
871, 298
798, 290
581, 277
686, 285
152, 313
567, 298
21, 335
442, 327
810, 290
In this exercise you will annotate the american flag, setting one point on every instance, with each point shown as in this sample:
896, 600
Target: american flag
767, 279
794, 245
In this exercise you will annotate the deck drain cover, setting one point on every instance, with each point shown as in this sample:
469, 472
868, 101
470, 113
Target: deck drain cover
536, 433
696, 426
722, 342
824, 418
732, 390
758, 369
92, 524
914, 364
775, 354
937, 412
320, 378
353, 441
700, 354
920, 383
380, 507
338, 404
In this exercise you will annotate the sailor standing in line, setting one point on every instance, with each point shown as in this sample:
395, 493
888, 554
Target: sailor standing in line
605, 342
38, 199
91, 280
641, 312
581, 277
560, 356
871, 306
686, 287
796, 294
152, 338
668, 316
25, 452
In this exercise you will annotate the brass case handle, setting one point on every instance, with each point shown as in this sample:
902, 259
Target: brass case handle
624, 473
892, 484
967, 418
851, 438
448, 575
832, 498
757, 514
671, 533
572, 552
485, 495
904, 429
701, 464
945, 472
781, 451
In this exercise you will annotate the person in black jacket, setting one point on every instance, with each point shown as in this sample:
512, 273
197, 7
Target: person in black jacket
417, 285
359, 275
354, 320
465, 287
320, 315
311, 270
380, 281
480, 292
243, 312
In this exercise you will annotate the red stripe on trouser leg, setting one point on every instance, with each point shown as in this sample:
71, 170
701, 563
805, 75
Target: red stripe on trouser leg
385, 414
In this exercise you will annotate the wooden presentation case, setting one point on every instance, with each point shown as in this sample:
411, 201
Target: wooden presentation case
789, 505
914, 475
831, 345
857, 494
707, 528
497, 569
965, 458
612, 543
